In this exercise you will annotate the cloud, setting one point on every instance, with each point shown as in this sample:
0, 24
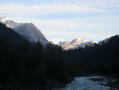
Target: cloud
86, 23
61, 7
91, 18
84, 35
91, 28
41, 9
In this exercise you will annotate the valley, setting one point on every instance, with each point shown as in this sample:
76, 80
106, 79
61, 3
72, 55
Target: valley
29, 60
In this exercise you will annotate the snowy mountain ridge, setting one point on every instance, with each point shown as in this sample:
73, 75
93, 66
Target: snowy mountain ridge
27, 30
75, 43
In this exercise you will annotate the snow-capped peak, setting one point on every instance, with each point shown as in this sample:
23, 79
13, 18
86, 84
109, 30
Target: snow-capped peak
27, 30
3, 19
75, 43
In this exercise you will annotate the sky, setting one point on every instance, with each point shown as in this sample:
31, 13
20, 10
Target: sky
61, 20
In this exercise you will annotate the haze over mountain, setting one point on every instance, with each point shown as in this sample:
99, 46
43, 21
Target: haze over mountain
75, 43
27, 30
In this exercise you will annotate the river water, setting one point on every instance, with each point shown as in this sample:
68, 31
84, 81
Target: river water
88, 83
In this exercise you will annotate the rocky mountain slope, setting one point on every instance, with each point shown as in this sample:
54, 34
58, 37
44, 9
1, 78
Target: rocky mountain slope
27, 30
75, 43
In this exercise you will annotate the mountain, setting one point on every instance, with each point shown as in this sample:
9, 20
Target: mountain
9, 23
10, 35
101, 58
27, 30
75, 43
26, 65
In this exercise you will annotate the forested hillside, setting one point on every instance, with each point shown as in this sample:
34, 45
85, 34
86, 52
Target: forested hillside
101, 58
23, 64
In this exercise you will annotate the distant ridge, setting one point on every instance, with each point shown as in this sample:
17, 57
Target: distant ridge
75, 43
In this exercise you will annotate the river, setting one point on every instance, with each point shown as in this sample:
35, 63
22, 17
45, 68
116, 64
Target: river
89, 83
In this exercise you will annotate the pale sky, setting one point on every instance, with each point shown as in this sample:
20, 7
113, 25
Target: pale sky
66, 19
